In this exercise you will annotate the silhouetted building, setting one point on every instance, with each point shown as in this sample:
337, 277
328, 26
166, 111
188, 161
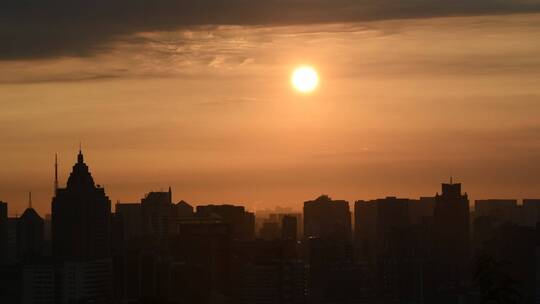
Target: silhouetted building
38, 282
451, 236
11, 251
332, 277
531, 211
81, 218
392, 215
47, 222
47, 235
118, 238
290, 220
365, 230
87, 281
273, 282
502, 210
184, 210
289, 227
376, 219
158, 212
422, 209
3, 232
269, 272
242, 223
204, 249
137, 274
393, 239
10, 284
327, 219
404, 265
270, 231
132, 220
327, 241
30, 233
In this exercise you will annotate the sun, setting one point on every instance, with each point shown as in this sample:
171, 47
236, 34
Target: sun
305, 79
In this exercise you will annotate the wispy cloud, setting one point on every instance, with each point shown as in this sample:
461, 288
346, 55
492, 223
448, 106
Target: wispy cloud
45, 29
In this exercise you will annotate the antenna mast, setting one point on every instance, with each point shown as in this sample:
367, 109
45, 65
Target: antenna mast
55, 173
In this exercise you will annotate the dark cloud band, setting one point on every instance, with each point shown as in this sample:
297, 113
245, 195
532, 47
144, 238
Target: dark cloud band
51, 28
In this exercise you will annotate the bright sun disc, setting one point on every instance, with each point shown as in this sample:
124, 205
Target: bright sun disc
305, 79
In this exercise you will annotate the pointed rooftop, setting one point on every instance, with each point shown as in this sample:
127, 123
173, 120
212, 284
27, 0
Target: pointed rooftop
30, 213
80, 176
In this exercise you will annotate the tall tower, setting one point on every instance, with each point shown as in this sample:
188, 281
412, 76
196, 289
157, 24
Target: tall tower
80, 217
30, 232
451, 235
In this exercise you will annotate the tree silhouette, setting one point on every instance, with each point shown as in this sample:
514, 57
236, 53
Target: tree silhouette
494, 284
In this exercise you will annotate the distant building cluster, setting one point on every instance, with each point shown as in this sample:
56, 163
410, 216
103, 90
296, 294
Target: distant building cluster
391, 250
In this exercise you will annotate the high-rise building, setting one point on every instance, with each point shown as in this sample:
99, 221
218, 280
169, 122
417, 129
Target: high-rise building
203, 247
157, 214
327, 238
81, 217
451, 236
3, 231
269, 231
421, 210
85, 282
277, 215
531, 211
289, 227
327, 219
242, 222
132, 219
392, 238
269, 272
11, 251
10, 284
392, 214
47, 221
273, 282
30, 234
374, 220
37, 282
365, 230
501, 210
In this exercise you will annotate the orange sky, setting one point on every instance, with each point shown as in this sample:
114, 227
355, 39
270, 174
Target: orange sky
401, 106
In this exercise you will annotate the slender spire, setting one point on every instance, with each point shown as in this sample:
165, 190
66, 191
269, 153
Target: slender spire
170, 195
30, 200
55, 173
80, 158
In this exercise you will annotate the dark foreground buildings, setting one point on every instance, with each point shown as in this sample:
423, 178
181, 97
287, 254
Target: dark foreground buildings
429, 250
451, 237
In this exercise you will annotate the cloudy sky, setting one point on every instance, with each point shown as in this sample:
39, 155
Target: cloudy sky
196, 95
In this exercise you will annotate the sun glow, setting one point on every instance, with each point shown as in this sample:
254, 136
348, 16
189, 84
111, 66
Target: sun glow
305, 79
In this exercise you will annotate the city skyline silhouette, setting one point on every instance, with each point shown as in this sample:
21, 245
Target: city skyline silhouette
269, 152
294, 206
431, 249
